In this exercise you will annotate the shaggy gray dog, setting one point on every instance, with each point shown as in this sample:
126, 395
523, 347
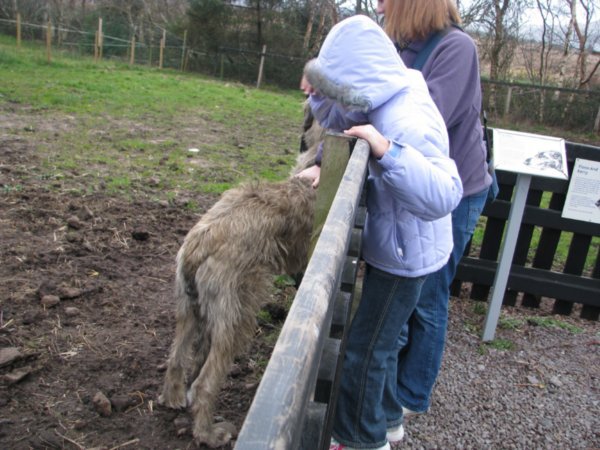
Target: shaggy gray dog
224, 273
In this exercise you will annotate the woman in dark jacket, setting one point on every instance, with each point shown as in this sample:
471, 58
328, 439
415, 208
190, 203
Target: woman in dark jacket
453, 79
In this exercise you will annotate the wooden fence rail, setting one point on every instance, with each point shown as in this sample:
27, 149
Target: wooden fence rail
291, 408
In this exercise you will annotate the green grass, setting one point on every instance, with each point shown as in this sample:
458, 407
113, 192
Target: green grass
550, 322
510, 323
515, 324
480, 308
500, 344
119, 127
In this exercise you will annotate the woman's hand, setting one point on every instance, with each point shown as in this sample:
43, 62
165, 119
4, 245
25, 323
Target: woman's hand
313, 173
378, 143
306, 87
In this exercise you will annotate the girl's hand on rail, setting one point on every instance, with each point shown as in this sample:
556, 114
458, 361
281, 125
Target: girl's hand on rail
313, 173
379, 144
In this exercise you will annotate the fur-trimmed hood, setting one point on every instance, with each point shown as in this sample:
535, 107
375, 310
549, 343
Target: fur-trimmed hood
359, 78
380, 75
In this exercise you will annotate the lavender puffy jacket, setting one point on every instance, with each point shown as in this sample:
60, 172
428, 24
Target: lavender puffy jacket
413, 188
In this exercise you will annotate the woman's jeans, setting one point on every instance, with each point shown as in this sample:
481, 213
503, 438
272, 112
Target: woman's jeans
423, 338
371, 356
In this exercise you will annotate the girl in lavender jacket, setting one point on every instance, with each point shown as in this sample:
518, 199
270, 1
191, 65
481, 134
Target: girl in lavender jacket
359, 84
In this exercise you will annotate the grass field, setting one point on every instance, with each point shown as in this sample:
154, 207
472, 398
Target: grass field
116, 122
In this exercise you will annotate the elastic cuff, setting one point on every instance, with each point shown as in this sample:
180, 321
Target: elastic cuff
393, 149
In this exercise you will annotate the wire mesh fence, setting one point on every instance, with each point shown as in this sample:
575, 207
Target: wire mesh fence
158, 48
571, 109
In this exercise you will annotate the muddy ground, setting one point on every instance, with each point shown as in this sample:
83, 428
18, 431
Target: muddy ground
86, 309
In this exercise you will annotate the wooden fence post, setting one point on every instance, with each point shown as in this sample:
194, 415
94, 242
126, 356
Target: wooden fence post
18, 30
183, 51
132, 52
282, 408
508, 99
261, 66
162, 49
333, 165
150, 48
49, 41
222, 64
100, 38
96, 46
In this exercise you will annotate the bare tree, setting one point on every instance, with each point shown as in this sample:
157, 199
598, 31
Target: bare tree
538, 49
537, 53
500, 24
502, 20
582, 33
324, 14
30, 10
472, 13
8, 8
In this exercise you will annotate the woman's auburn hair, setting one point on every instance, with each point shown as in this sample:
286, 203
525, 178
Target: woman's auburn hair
408, 20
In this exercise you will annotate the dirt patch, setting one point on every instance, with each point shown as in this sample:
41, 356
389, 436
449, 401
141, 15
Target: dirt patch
86, 312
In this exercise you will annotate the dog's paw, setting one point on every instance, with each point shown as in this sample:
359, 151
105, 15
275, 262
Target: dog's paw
219, 435
172, 399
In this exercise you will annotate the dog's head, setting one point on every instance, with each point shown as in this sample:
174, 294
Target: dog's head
312, 135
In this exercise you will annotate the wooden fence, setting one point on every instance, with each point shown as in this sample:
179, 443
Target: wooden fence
533, 273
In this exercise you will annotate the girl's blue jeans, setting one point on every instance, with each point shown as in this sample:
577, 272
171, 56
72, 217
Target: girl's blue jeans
423, 337
371, 358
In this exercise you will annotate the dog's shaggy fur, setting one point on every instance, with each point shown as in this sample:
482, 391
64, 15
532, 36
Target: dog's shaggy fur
224, 273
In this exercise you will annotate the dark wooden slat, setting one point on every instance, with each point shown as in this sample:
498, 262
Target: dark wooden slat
313, 426
544, 217
574, 265
548, 284
341, 310
591, 312
492, 236
349, 274
355, 243
544, 256
327, 370
523, 244
583, 151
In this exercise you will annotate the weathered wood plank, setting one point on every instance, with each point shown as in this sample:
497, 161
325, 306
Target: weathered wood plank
276, 416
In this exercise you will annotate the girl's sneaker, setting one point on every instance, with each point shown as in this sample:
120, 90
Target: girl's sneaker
335, 445
395, 436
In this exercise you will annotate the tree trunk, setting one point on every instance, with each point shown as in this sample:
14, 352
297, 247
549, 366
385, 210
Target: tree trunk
259, 39
309, 26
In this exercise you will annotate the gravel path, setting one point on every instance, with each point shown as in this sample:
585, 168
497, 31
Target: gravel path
536, 386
